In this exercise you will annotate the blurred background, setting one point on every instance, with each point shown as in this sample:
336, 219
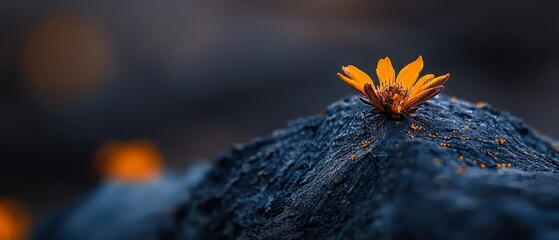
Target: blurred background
176, 82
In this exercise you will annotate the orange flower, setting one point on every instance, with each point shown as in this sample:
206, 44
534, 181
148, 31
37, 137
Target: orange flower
396, 95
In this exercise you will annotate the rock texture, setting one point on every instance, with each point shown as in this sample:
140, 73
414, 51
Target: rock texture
124, 210
452, 171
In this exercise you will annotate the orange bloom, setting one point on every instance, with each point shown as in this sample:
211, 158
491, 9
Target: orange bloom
397, 95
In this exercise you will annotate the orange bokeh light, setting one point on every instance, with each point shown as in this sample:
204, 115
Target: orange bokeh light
14, 220
66, 57
136, 161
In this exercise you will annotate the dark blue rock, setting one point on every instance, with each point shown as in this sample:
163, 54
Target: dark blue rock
453, 171
125, 210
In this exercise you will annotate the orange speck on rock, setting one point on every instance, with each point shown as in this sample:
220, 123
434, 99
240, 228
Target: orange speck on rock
502, 141
461, 157
353, 157
365, 144
416, 127
482, 165
135, 161
480, 104
509, 164
337, 181
15, 220
466, 127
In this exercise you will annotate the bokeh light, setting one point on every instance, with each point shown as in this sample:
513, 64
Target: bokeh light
15, 220
134, 161
65, 57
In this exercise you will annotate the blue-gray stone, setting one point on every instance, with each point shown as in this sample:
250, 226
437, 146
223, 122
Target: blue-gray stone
452, 171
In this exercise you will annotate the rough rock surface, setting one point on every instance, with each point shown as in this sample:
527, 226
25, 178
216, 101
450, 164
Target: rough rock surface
124, 210
453, 171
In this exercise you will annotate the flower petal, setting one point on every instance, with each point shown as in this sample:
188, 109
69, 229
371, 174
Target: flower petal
352, 83
358, 75
408, 75
436, 81
385, 71
418, 86
372, 95
422, 97
355, 78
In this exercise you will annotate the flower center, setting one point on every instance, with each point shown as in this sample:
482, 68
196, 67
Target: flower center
393, 96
